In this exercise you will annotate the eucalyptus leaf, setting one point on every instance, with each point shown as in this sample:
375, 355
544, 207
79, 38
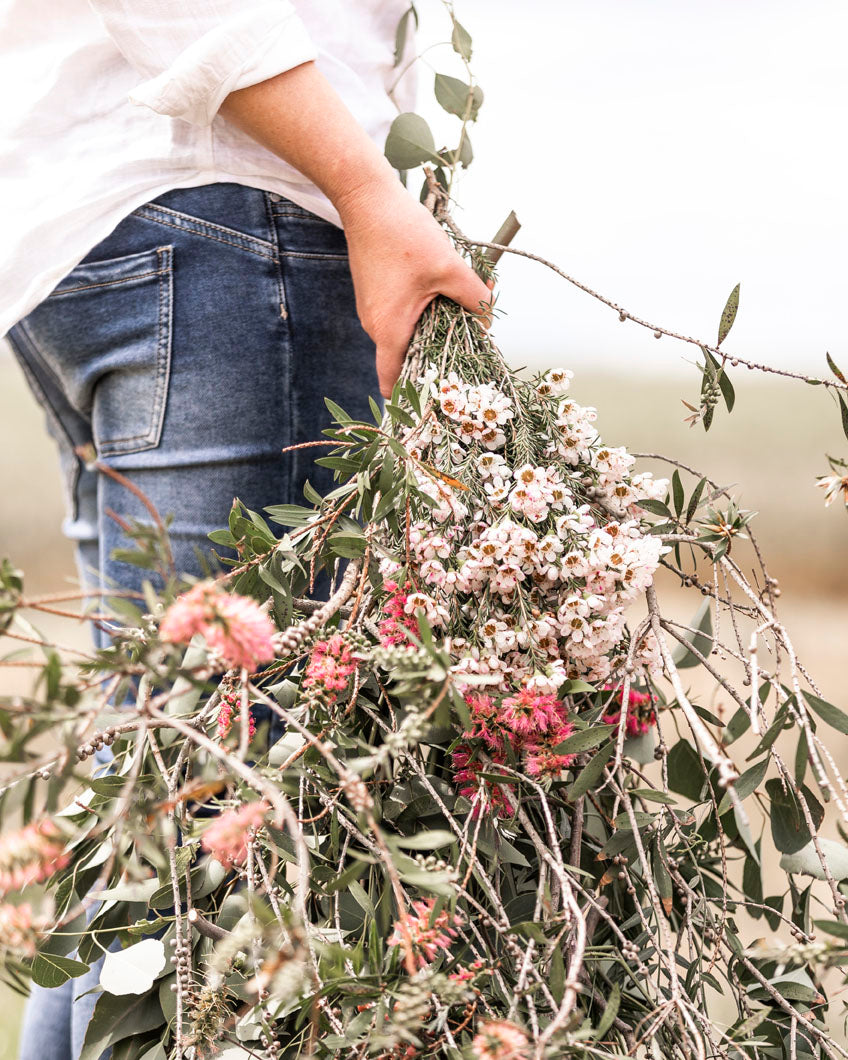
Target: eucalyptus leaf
50, 970
456, 97
788, 826
701, 641
134, 969
728, 315
115, 1018
410, 142
461, 40
806, 861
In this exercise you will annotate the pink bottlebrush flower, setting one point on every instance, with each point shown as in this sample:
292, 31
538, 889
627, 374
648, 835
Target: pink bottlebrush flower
500, 1040
427, 935
234, 626
330, 665
641, 715
528, 713
465, 975
547, 764
231, 711
226, 838
484, 717
31, 855
482, 794
394, 627
18, 930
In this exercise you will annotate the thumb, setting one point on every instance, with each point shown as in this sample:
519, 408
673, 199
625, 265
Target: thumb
390, 358
465, 287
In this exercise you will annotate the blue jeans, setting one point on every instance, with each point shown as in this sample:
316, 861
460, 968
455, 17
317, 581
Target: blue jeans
190, 346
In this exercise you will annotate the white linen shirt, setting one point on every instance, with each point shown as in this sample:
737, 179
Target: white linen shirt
107, 104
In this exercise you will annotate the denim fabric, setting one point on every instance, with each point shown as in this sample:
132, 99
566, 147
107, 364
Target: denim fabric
190, 346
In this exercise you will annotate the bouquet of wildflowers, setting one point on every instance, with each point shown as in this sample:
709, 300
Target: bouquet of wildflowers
464, 805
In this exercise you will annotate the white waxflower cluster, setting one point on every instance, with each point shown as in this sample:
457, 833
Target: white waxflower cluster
527, 567
480, 412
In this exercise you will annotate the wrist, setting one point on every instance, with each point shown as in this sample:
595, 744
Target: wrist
368, 187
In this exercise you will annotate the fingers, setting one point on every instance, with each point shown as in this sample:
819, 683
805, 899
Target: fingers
464, 286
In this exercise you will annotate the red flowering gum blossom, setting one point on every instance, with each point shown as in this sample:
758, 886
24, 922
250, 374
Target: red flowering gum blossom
500, 1040
234, 626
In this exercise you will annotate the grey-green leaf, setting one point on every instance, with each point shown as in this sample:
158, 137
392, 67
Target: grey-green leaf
403, 32
410, 142
746, 784
50, 970
835, 369
117, 1017
685, 772
458, 98
728, 315
788, 827
702, 641
583, 740
461, 40
806, 861
828, 713
591, 773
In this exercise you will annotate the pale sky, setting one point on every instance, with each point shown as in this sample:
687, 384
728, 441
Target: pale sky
661, 151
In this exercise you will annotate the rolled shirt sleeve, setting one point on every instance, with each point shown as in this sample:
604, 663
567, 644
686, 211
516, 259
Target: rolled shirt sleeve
192, 54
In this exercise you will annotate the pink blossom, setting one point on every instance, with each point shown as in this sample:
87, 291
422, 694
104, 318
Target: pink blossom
31, 855
641, 715
485, 793
234, 626
18, 930
330, 666
529, 712
230, 711
427, 935
397, 623
465, 975
226, 838
500, 1040
546, 763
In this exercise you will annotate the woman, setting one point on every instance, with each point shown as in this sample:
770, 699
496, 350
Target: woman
198, 208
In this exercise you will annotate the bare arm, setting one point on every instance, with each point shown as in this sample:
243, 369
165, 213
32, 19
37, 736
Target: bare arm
400, 258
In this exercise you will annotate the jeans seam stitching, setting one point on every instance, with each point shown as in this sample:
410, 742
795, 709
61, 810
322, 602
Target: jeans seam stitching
313, 256
275, 246
47, 407
196, 226
284, 316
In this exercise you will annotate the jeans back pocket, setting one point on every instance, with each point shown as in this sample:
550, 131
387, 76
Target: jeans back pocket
104, 335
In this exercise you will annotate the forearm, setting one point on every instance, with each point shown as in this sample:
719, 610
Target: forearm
300, 117
400, 258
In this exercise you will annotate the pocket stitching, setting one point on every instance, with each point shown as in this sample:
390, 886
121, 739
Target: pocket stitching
140, 442
106, 283
206, 229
